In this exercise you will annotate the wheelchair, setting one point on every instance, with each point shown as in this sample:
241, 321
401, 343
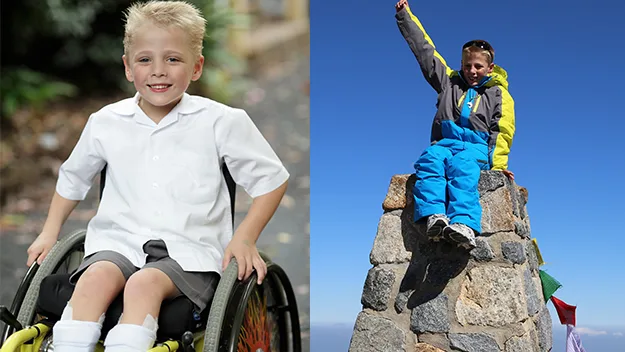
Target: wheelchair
241, 316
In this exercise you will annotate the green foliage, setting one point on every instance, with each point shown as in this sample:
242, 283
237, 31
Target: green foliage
223, 72
80, 43
22, 87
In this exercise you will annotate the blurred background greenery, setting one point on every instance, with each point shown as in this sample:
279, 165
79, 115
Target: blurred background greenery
61, 60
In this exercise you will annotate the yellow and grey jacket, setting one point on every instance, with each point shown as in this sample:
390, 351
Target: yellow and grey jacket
491, 116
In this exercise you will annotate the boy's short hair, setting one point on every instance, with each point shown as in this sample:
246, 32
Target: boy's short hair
473, 50
479, 46
166, 14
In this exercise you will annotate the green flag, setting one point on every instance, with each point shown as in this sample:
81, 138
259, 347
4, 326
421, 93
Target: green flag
550, 285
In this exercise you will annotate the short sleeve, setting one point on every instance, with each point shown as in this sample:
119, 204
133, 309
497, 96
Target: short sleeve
77, 173
250, 159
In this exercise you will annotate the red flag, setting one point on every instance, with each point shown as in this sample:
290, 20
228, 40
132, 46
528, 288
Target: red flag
566, 312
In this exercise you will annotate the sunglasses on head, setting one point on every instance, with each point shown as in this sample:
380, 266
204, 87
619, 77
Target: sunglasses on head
482, 44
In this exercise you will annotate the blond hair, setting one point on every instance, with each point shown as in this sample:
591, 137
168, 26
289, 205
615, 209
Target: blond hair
166, 14
468, 51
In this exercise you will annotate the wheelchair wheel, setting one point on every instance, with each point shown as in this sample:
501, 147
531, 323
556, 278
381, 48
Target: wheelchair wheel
63, 257
255, 318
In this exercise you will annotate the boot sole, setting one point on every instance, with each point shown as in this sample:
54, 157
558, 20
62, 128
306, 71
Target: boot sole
457, 238
435, 232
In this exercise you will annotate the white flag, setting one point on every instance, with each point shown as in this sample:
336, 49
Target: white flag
573, 341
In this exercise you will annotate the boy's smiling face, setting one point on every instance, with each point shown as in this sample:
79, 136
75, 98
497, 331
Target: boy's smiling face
475, 66
161, 65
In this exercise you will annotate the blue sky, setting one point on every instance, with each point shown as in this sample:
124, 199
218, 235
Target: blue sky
371, 113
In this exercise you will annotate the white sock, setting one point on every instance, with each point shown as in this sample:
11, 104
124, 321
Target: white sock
75, 335
131, 337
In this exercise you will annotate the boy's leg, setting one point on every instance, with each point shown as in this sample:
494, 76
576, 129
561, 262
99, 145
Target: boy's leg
144, 293
160, 279
430, 187
101, 277
463, 177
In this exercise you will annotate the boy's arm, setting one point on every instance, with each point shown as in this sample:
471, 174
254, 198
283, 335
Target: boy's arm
244, 239
254, 166
260, 212
433, 66
60, 208
503, 132
75, 179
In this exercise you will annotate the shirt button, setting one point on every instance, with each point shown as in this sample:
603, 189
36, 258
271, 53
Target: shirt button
155, 185
155, 157
158, 213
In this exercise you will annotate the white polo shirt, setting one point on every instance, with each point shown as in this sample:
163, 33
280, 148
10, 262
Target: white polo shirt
164, 181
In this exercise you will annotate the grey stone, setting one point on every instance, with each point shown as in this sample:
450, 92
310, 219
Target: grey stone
431, 316
497, 214
474, 342
489, 296
521, 229
534, 338
543, 327
437, 340
377, 288
522, 196
532, 257
376, 334
482, 251
490, 181
401, 300
514, 198
531, 294
388, 246
514, 252
519, 344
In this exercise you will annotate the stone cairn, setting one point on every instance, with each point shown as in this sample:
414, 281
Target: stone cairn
424, 296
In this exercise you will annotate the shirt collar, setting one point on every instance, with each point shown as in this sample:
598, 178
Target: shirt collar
128, 107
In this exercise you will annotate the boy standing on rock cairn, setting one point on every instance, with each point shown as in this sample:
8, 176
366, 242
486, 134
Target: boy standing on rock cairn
472, 131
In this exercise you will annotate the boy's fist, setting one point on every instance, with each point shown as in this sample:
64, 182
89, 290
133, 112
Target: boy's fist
400, 5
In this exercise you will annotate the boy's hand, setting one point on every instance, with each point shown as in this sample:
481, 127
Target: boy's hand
247, 256
400, 5
40, 247
508, 173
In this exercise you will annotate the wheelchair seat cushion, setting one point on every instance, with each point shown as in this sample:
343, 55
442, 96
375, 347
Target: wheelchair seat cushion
177, 315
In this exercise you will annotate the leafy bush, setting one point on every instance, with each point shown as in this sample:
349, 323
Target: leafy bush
61, 48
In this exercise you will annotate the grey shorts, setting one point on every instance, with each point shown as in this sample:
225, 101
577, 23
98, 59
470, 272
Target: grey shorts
199, 287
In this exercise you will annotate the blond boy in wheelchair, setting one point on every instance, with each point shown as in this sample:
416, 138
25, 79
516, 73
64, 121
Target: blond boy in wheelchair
163, 227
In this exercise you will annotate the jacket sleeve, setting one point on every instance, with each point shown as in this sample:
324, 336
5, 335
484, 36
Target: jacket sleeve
433, 66
503, 132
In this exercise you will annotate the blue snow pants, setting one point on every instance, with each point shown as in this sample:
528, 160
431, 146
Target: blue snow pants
448, 173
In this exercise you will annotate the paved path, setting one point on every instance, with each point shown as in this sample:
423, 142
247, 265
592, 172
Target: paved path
279, 105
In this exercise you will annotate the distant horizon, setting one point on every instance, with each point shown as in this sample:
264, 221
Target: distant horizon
596, 329
336, 337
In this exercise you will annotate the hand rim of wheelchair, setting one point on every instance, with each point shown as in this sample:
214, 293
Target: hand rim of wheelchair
36, 273
25, 301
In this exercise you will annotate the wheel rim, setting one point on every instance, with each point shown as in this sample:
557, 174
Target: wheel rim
260, 318
259, 328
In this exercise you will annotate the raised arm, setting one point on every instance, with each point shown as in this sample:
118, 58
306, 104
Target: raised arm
433, 66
